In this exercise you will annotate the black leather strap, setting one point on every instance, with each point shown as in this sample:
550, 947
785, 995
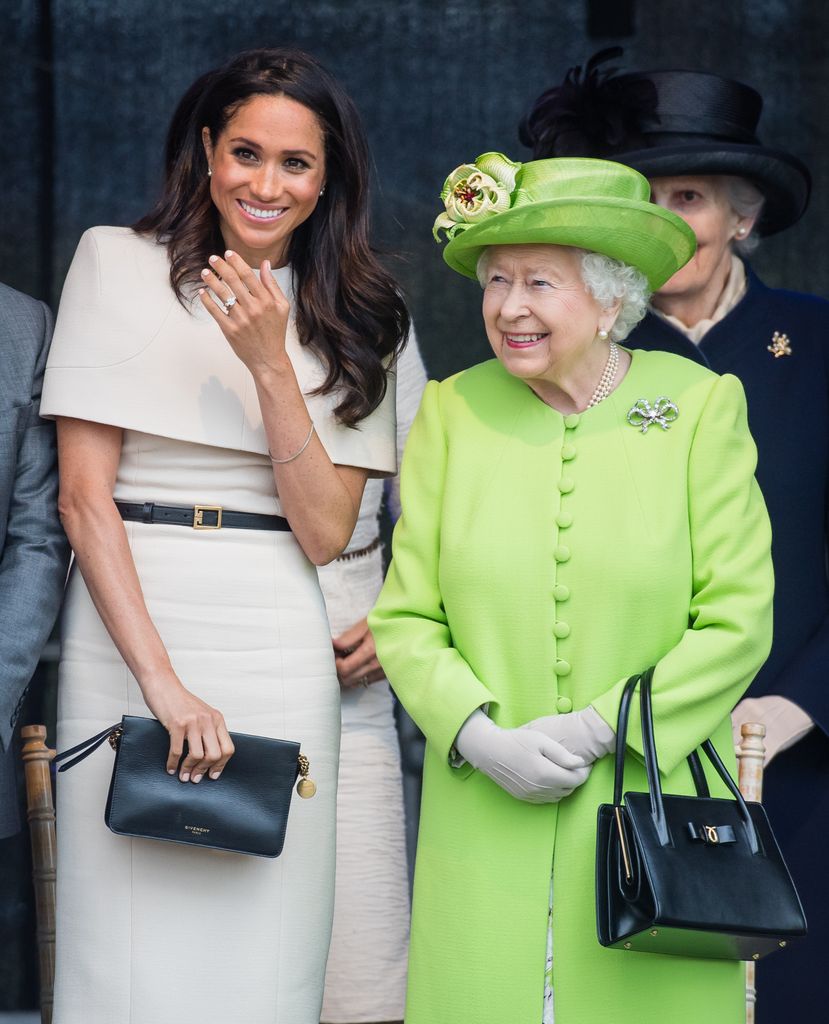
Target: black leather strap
85, 748
199, 517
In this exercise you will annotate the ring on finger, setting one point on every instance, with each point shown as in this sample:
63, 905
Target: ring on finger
364, 680
229, 304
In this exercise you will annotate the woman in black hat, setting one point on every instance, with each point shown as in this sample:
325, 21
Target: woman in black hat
694, 136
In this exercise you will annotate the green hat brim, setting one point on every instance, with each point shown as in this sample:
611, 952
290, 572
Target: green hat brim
644, 235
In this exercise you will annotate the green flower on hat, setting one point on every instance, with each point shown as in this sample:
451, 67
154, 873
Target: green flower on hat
473, 192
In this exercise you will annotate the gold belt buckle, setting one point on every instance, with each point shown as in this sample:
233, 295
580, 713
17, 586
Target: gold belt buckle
198, 517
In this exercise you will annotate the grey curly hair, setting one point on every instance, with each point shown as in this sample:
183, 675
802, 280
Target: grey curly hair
608, 281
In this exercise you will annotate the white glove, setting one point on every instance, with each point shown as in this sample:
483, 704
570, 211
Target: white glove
785, 722
527, 764
584, 733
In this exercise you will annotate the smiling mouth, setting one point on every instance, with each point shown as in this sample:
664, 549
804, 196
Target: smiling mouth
523, 340
259, 213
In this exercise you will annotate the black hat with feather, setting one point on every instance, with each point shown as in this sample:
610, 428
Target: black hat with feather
665, 123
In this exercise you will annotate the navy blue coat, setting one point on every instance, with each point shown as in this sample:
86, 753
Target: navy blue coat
788, 411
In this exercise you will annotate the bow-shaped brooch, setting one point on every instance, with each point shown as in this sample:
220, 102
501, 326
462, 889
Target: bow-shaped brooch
644, 415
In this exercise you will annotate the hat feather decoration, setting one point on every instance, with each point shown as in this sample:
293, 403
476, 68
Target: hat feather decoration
592, 113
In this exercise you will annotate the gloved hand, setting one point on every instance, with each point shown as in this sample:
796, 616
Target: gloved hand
527, 764
584, 733
785, 722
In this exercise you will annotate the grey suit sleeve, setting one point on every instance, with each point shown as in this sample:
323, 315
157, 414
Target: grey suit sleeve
36, 553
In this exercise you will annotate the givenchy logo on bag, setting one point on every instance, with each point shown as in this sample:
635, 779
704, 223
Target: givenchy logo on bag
197, 829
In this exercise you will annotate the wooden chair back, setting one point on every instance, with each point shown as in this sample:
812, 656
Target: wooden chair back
750, 756
41, 815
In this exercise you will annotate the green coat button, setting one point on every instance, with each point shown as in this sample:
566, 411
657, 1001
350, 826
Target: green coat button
564, 520
564, 705
562, 553
561, 630
572, 421
560, 592
562, 668
568, 452
566, 484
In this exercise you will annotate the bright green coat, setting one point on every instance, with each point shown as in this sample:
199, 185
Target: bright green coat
540, 560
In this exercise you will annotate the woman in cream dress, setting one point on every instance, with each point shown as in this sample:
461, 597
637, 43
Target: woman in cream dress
366, 976
262, 393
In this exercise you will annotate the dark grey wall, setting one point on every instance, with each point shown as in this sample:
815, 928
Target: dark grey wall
87, 86
437, 83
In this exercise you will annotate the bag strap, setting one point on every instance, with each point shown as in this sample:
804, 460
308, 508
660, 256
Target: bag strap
84, 749
655, 785
621, 737
652, 763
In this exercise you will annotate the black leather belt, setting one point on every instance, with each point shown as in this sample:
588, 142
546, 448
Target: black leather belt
198, 517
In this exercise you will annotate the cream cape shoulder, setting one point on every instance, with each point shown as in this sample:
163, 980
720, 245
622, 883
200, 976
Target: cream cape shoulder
127, 353
116, 296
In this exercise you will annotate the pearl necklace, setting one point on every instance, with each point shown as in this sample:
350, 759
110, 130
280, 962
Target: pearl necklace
605, 385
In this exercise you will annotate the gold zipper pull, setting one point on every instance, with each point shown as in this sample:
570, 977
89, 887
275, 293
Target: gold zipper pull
115, 735
305, 787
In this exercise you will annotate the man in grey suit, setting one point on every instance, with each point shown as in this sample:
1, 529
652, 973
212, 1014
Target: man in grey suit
34, 552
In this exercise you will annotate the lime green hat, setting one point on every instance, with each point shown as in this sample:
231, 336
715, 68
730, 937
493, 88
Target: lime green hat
596, 205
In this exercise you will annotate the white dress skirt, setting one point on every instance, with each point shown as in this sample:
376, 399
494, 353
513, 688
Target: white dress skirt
366, 975
367, 963
158, 933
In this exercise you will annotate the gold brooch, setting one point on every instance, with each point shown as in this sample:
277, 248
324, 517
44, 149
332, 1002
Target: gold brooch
779, 345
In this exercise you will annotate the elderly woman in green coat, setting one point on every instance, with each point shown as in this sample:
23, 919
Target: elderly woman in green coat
573, 512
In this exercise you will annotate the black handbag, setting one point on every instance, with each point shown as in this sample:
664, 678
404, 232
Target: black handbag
244, 811
694, 876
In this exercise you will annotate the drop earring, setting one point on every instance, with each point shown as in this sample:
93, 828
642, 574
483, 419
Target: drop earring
322, 191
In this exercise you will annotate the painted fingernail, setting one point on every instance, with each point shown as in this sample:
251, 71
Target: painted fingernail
215, 775
197, 778
201, 291
205, 273
228, 254
267, 264
185, 777
171, 771
212, 259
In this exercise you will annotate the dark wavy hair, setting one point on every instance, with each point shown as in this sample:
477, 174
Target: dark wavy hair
349, 310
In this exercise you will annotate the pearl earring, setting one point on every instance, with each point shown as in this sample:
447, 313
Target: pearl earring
740, 232
209, 172
603, 334
322, 191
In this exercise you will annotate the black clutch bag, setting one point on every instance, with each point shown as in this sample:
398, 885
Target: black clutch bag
694, 876
244, 811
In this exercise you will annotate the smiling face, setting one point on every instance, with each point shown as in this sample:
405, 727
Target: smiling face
540, 319
268, 168
704, 203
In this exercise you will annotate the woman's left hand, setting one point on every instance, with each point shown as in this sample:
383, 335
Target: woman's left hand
256, 322
356, 657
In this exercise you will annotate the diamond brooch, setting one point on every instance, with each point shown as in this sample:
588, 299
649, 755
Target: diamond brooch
644, 415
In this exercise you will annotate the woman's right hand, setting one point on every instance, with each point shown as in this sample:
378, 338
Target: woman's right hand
527, 764
187, 717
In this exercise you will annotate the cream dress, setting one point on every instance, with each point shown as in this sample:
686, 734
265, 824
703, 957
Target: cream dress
366, 977
156, 933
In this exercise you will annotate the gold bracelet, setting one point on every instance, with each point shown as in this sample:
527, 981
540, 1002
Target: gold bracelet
296, 455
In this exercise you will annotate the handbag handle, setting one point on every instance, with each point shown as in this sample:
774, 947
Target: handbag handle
644, 681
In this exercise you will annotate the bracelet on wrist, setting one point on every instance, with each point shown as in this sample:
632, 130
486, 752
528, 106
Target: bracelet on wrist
296, 455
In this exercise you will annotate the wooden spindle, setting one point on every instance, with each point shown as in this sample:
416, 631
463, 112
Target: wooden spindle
41, 814
751, 755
